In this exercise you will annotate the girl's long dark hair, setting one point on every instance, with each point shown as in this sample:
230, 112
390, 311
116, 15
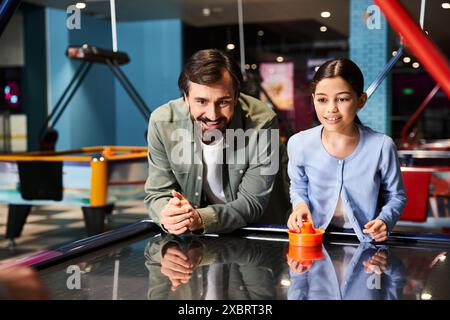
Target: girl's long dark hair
347, 70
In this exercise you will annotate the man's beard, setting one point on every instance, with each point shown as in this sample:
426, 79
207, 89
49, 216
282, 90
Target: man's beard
207, 124
210, 134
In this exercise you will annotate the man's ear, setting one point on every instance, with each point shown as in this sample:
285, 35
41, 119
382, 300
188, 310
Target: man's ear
362, 100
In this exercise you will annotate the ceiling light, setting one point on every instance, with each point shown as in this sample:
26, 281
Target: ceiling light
415, 65
230, 46
206, 12
260, 33
406, 59
247, 67
325, 14
323, 29
280, 59
254, 66
80, 5
445, 5
394, 53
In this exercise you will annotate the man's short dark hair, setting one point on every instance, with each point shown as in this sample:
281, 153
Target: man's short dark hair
206, 67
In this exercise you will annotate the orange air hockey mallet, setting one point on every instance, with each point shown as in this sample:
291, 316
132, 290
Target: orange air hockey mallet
305, 246
305, 256
307, 237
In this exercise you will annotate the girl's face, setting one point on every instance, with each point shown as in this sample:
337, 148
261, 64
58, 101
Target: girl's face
336, 104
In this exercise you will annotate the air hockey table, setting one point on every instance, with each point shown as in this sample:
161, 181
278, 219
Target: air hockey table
93, 178
254, 263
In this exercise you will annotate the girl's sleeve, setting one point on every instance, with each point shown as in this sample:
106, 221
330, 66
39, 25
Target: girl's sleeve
296, 170
392, 188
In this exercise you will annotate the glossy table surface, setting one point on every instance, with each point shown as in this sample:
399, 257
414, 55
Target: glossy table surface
250, 264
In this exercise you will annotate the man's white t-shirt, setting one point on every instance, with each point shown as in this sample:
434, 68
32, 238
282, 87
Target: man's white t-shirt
212, 171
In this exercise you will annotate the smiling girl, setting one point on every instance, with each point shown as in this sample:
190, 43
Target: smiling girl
344, 174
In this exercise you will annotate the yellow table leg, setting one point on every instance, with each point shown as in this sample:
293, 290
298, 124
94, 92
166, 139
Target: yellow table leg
99, 182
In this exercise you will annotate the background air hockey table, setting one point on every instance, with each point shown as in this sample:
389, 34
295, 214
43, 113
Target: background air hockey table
426, 176
92, 177
254, 263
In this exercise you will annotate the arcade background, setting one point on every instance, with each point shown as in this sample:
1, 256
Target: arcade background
275, 32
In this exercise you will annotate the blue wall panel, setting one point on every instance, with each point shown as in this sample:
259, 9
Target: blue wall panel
34, 74
155, 50
90, 117
101, 112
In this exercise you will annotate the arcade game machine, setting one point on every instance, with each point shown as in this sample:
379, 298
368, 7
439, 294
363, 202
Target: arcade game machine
12, 120
425, 164
426, 174
92, 177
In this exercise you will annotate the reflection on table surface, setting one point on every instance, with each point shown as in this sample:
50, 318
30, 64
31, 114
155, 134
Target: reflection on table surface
156, 266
